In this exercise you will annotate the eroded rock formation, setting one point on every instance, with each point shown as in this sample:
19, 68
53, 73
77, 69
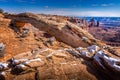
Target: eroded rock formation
63, 31
59, 50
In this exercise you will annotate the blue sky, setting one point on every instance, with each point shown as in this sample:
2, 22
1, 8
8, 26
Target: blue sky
64, 7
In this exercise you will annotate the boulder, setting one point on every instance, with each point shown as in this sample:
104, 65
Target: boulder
34, 63
18, 69
2, 76
27, 76
3, 66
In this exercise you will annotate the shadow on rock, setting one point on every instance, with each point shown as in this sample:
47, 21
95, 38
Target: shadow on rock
96, 70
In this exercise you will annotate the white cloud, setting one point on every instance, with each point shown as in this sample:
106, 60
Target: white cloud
103, 5
85, 13
46, 6
26, 1
22, 1
3, 0
97, 13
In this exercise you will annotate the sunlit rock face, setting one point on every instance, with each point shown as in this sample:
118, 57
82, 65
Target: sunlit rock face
54, 49
64, 30
48, 60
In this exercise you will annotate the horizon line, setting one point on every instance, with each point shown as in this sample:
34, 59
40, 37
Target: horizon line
59, 14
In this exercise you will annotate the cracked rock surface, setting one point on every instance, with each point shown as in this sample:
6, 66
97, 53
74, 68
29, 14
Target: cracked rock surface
53, 49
